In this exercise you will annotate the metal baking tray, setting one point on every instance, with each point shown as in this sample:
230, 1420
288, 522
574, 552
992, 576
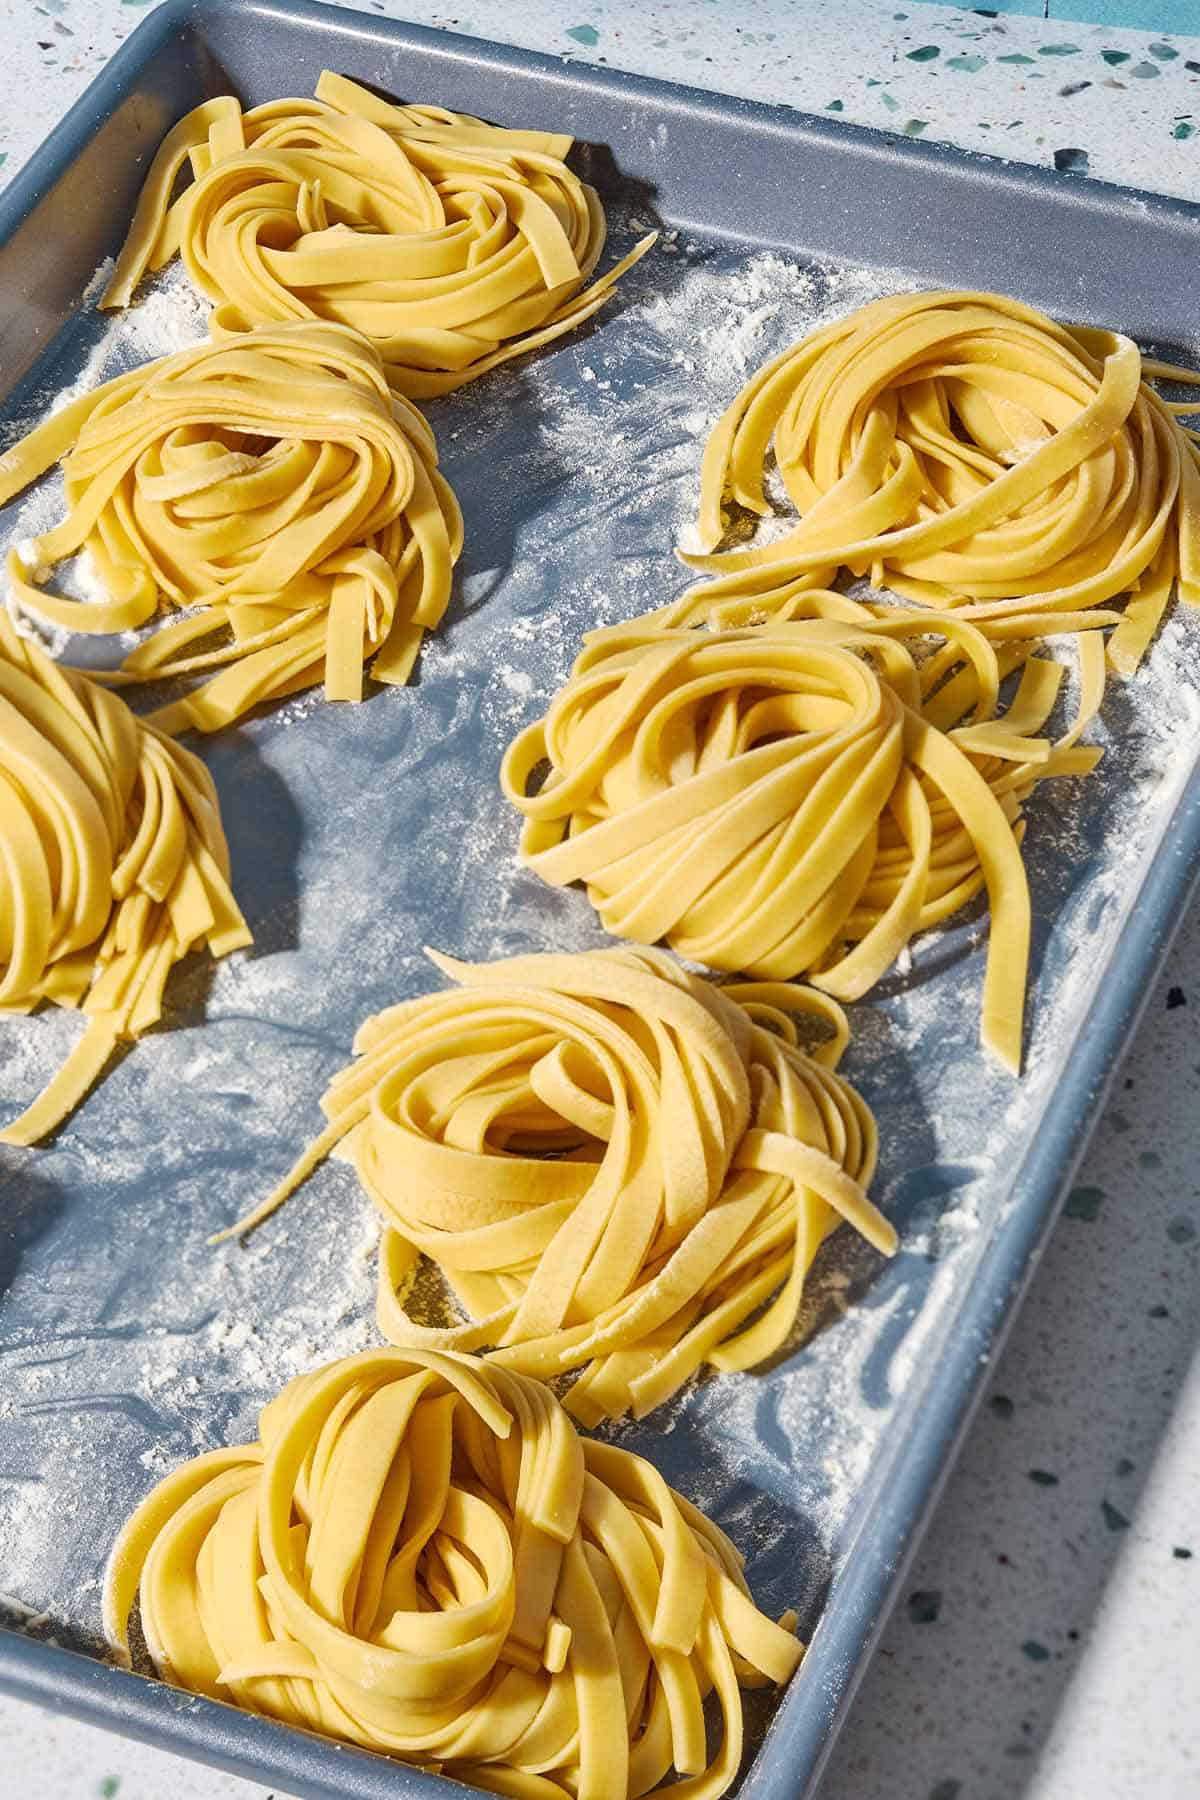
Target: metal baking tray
359, 834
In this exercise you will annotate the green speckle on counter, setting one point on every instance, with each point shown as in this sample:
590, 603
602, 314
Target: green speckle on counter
1145, 71
1164, 52
1037, 1653
1083, 1202
1014, 56
110, 1786
926, 53
891, 102
1183, 131
1074, 161
914, 127
835, 106
584, 34
967, 64
924, 1606
1115, 58
1059, 50
1114, 1518
1043, 1478
1181, 1553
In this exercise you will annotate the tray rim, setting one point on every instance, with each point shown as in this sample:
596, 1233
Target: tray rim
800, 1737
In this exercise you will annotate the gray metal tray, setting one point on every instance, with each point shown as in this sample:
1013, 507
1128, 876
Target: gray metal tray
360, 834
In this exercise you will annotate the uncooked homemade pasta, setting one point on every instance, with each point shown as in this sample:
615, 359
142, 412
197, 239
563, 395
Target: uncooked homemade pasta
420, 1556
614, 1163
967, 452
801, 797
113, 865
273, 491
451, 244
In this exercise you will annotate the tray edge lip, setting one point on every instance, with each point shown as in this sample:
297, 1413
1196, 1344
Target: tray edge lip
49, 161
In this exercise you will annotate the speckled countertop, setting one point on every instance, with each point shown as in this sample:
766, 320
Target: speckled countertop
1044, 1642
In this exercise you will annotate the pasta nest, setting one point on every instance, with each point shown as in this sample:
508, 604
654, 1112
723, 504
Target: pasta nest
452, 245
113, 865
420, 1556
613, 1163
803, 796
273, 490
967, 452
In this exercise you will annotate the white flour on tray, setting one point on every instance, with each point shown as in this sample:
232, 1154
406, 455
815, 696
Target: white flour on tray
579, 471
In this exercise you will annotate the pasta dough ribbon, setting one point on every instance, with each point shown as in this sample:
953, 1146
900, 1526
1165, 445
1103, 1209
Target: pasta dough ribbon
613, 1163
421, 1557
274, 491
967, 452
800, 797
452, 245
113, 865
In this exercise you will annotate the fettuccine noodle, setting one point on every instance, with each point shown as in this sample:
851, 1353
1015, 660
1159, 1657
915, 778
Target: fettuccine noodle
113, 865
452, 245
274, 488
802, 796
421, 1557
967, 452
614, 1164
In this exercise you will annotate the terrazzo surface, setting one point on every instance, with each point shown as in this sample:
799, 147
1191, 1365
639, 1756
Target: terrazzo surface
1043, 1638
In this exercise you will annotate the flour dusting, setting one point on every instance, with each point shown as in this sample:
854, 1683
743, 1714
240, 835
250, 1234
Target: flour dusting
359, 834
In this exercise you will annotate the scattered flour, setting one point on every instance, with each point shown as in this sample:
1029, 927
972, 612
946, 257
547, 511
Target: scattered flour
125, 1344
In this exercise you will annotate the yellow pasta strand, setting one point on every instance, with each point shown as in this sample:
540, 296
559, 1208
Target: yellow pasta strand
801, 796
271, 488
614, 1164
420, 1556
967, 452
452, 245
113, 865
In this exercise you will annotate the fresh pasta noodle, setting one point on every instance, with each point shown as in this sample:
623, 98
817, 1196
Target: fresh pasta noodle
966, 452
614, 1164
803, 796
272, 490
113, 865
452, 245
420, 1556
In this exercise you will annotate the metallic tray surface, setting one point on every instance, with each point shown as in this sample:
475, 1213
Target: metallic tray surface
360, 834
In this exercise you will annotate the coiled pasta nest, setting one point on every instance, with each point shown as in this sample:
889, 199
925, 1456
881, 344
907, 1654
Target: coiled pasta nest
273, 491
113, 865
614, 1164
967, 452
420, 1556
803, 796
452, 245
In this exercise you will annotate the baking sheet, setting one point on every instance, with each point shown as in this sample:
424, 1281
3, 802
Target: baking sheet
358, 835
